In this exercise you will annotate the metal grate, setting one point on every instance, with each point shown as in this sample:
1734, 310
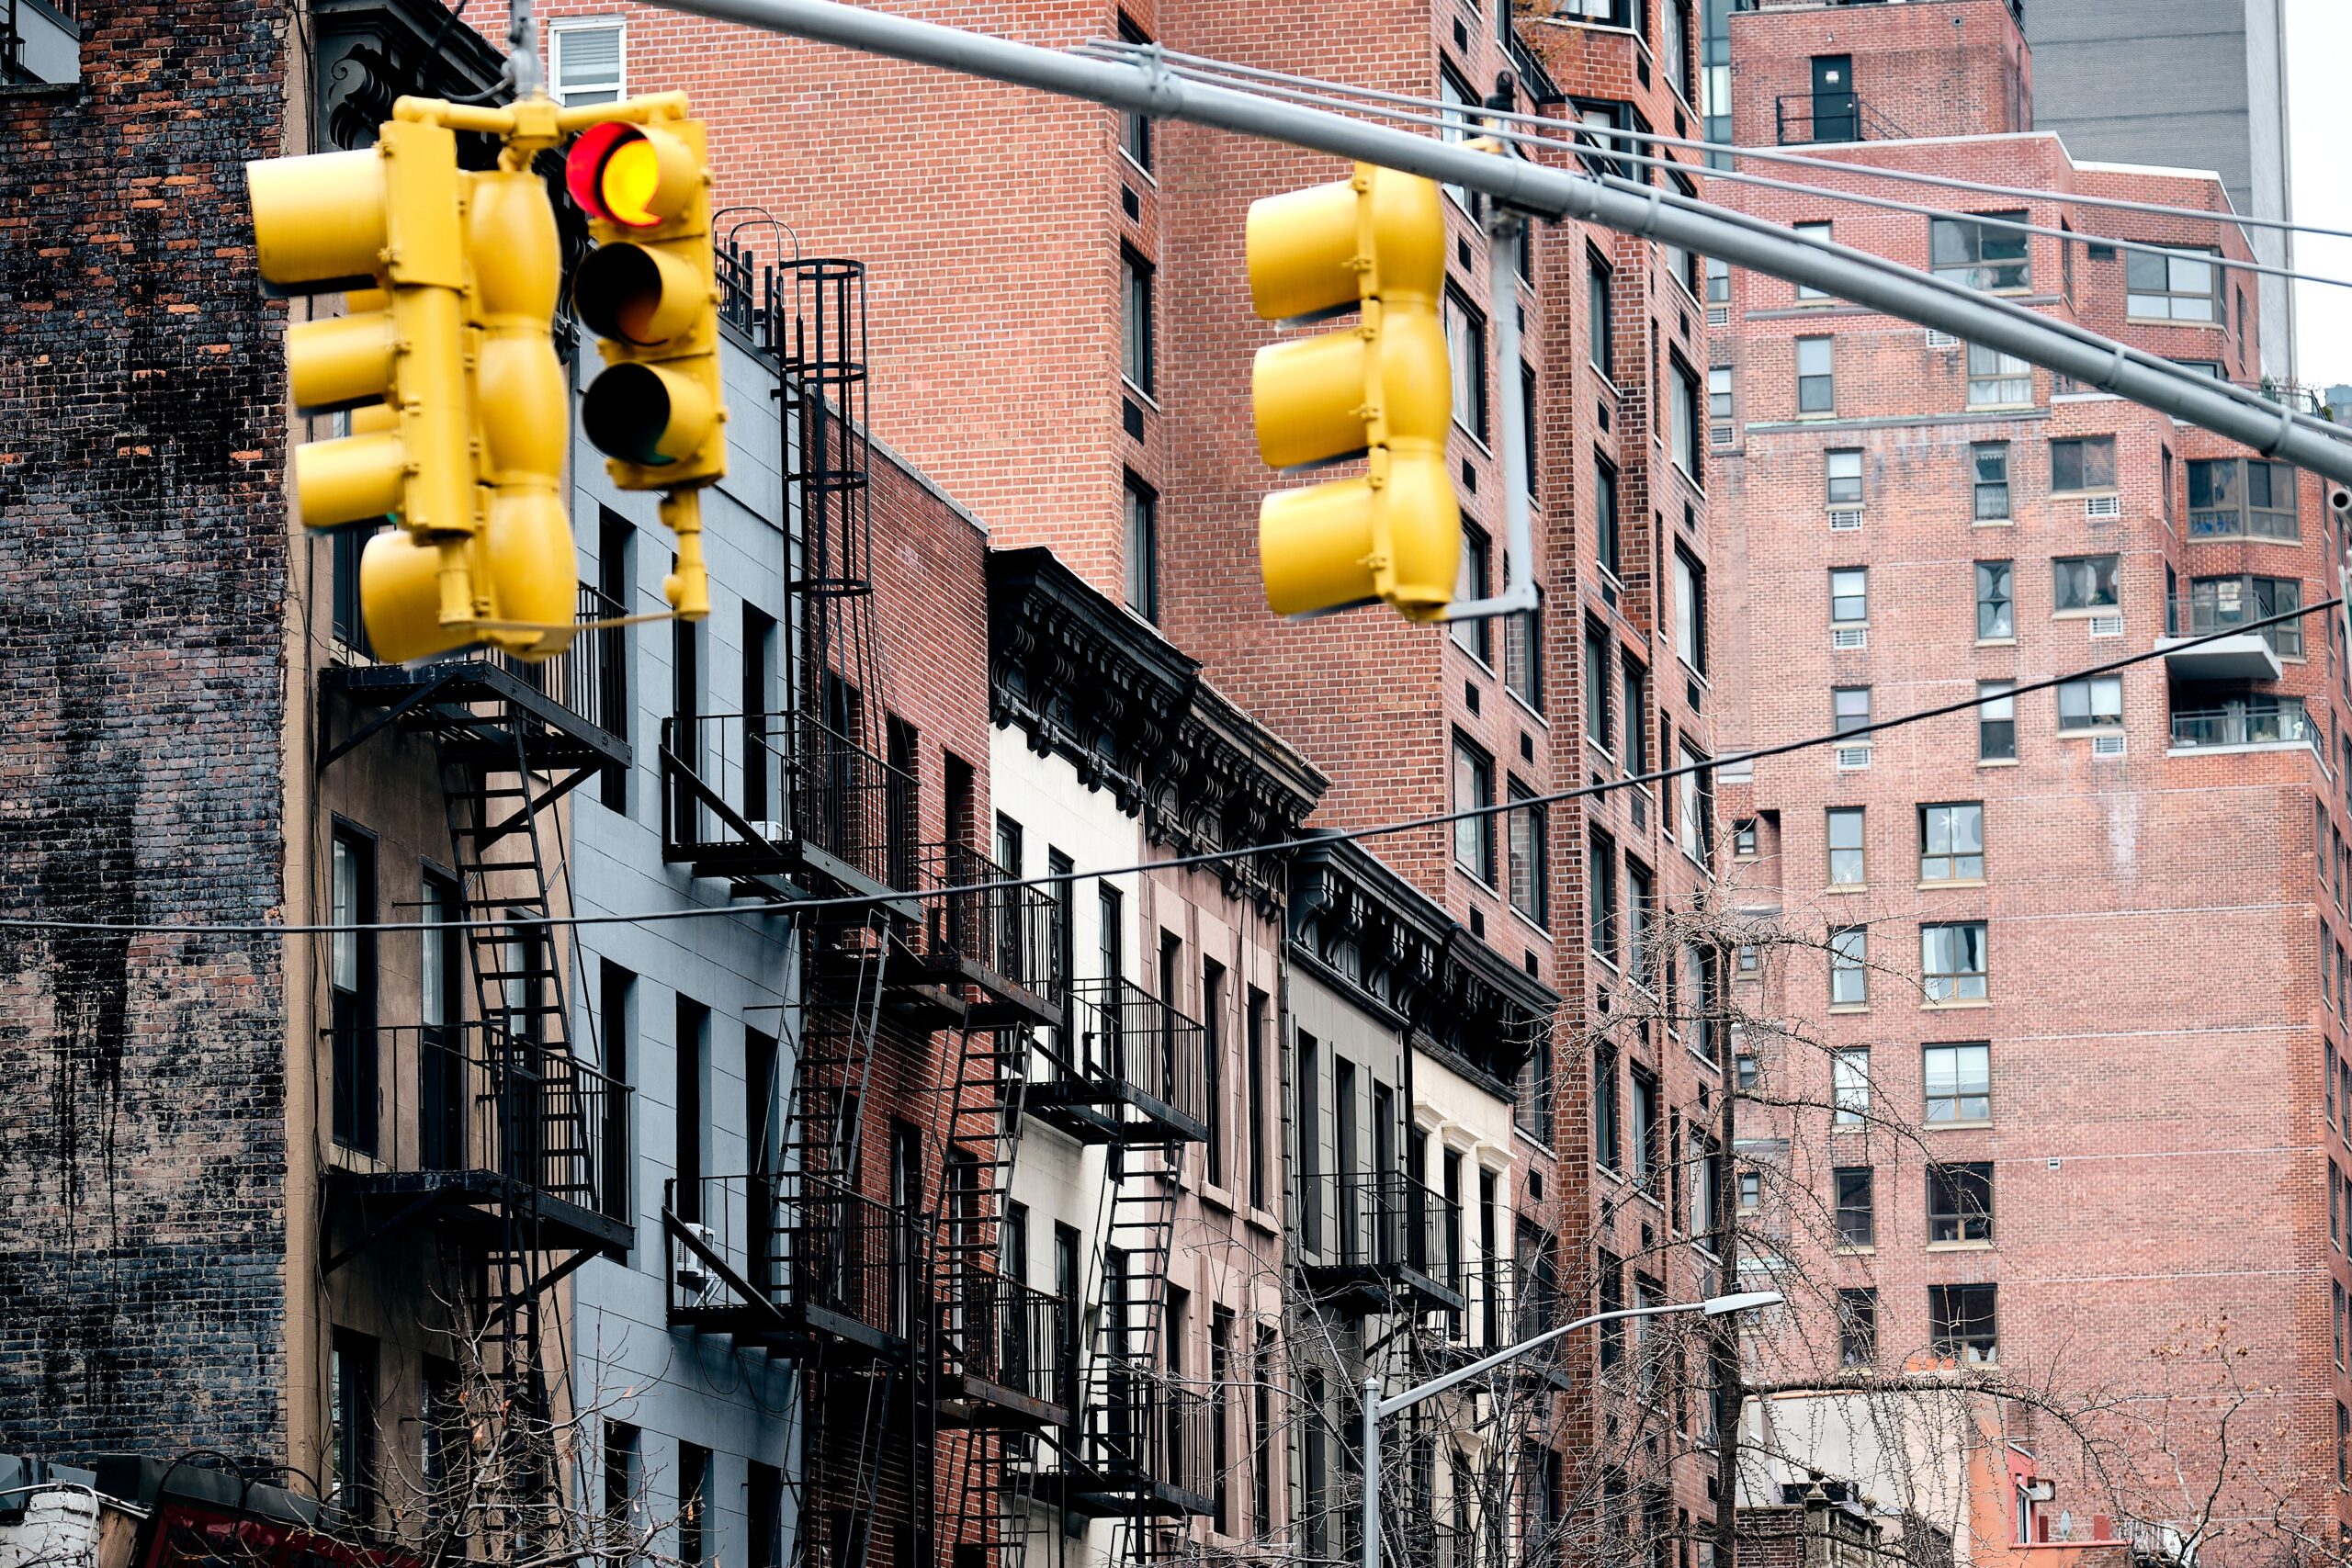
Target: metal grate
1720, 435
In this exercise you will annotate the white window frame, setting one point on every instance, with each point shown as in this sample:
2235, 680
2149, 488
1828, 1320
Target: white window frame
557, 30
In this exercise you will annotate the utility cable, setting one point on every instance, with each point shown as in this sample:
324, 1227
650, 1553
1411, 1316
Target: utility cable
1594, 142
1732, 150
796, 907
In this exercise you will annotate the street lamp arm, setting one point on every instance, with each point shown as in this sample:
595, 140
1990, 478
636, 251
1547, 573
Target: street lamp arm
1437, 1385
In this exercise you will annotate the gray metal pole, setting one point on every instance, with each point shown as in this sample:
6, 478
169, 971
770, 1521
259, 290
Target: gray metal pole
1372, 1472
1149, 88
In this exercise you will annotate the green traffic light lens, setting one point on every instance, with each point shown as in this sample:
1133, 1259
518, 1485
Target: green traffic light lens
627, 413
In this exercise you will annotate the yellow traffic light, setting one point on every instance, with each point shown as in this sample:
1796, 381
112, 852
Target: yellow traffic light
381, 225
650, 294
1382, 387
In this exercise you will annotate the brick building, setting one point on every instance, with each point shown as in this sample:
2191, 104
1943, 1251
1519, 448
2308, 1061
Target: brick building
2066, 974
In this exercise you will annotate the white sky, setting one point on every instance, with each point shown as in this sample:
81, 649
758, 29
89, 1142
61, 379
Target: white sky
2319, 42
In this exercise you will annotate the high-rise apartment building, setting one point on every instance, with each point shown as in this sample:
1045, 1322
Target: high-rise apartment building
2061, 980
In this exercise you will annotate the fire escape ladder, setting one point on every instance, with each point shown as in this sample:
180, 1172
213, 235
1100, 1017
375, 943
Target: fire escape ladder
1127, 1397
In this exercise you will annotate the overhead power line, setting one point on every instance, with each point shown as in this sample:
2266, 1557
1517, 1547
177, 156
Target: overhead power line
1202, 858
1590, 141
1770, 155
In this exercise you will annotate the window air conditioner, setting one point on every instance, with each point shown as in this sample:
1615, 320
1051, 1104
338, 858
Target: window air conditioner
2107, 745
2098, 506
2106, 625
1845, 637
693, 1279
1845, 519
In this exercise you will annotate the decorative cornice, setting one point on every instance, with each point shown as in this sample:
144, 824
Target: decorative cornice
369, 52
1088, 682
1377, 934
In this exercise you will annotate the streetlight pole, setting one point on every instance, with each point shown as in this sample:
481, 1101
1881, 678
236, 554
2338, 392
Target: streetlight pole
1376, 1409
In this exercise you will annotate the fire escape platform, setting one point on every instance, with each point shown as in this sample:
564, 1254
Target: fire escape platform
469, 1199
1004, 1002
1096, 1112
970, 1401
476, 700
1119, 1494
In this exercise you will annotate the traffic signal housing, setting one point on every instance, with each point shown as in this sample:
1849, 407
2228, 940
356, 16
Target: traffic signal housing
650, 294
1382, 387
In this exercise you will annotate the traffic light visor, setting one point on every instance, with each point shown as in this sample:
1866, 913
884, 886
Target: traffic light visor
319, 220
646, 414
1316, 252
637, 176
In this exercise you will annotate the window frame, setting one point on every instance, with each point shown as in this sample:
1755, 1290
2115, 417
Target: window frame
1965, 1092
2092, 718
558, 30
1832, 818
1953, 860
1468, 380
2084, 573
2008, 380
1530, 891
1600, 327
1967, 264
1821, 397
1850, 1086
1849, 949
1845, 718
1997, 601
1139, 350
1142, 546
1990, 694
1475, 833
2076, 452
1954, 1315
2235, 516
1853, 1202
1842, 489
1981, 486
2172, 293
1856, 599
1819, 229
1946, 987
1960, 1203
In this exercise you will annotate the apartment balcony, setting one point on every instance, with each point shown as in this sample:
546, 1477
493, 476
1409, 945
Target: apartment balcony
472, 1126
1126, 1068
2243, 721
1807, 119
1376, 1241
777, 1260
1148, 1447
758, 800
2218, 605
486, 708
1000, 1347
988, 957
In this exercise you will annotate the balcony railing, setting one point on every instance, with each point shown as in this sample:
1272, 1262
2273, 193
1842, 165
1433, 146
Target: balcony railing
1003, 936
1151, 1433
815, 1255
577, 679
2215, 606
1004, 1335
1804, 118
1128, 1065
1370, 1231
2262, 720
493, 1109
757, 792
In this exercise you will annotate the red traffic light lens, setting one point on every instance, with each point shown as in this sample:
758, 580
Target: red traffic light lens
637, 176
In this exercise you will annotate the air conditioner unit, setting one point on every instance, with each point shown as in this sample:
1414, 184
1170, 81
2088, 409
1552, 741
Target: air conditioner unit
2039, 1491
1852, 757
2106, 625
1845, 519
774, 832
1720, 435
1719, 315
2107, 745
692, 1279
1941, 340
1845, 637
2098, 506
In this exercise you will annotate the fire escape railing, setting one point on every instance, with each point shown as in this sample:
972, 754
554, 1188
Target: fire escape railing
1008, 931
1129, 1039
1151, 1429
1002, 1331
771, 784
822, 1254
1801, 118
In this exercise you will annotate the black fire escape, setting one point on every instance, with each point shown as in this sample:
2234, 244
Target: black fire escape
500, 1134
924, 1370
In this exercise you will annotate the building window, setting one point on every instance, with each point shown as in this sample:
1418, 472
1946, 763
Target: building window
351, 1489
1997, 379
1527, 426
1648, 1129
2241, 498
1845, 846
1743, 838
2082, 462
1842, 472
1816, 380
1596, 686
1143, 550
1751, 1191
1466, 348
1459, 123
1951, 843
2214, 602
1951, 961
1134, 126
1718, 281
1992, 466
1979, 256
351, 978
1960, 1203
1849, 709
1604, 516
1960, 1323
1850, 1087
1997, 618
1849, 967
1135, 325
1690, 611
695, 1491
1635, 718
1686, 421
1638, 899
1526, 829
1523, 657
1719, 405
1473, 786
2171, 287
1849, 595
587, 63
1605, 1140
1820, 232
1475, 638
2085, 582
2095, 701
1996, 722
1600, 896
1696, 793
1959, 1080
1597, 315
1857, 1327
1856, 1216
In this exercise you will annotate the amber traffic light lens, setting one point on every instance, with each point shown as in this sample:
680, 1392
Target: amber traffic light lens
637, 176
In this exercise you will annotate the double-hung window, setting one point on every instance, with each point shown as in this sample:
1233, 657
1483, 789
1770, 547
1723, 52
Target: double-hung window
1991, 463
1473, 786
1842, 478
1845, 838
1996, 380
1849, 595
1604, 516
1997, 618
1849, 967
1719, 405
2095, 701
1951, 961
1960, 1203
1996, 722
2083, 582
1951, 843
1597, 321
1600, 896
1465, 346
1597, 687
1475, 638
1849, 708
2082, 462
1850, 1087
1816, 375
1135, 326
587, 61
1959, 1080
2172, 288
1857, 1217
1686, 420
1812, 231
1984, 256
1690, 611
1525, 829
